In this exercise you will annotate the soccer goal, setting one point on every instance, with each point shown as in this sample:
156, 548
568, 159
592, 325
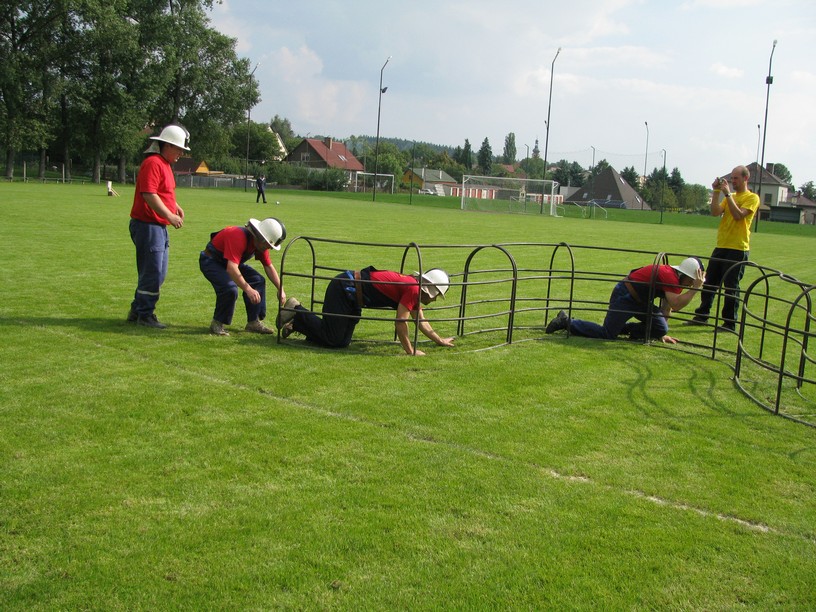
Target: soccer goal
505, 194
364, 181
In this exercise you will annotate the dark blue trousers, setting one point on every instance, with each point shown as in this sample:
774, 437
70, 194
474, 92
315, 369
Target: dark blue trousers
331, 331
152, 255
722, 271
622, 307
226, 291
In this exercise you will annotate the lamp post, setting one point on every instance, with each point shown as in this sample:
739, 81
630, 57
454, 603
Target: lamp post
662, 185
591, 190
547, 123
377, 145
528, 151
249, 110
645, 162
768, 82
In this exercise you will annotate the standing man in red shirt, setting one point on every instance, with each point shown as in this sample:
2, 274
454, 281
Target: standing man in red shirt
223, 263
154, 208
632, 298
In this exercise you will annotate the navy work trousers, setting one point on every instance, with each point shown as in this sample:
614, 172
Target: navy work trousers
226, 291
152, 255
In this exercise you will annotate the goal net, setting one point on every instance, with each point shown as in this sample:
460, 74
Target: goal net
364, 181
504, 194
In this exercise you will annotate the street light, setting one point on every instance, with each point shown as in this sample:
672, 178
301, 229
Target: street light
528, 151
591, 190
547, 123
768, 82
249, 109
645, 162
377, 145
662, 185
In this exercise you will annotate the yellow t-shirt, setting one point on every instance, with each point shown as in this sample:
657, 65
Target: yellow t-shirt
734, 234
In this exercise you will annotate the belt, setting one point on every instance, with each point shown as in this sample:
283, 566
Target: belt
631, 289
358, 288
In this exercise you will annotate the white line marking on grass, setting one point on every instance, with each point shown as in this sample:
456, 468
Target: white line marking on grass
209, 377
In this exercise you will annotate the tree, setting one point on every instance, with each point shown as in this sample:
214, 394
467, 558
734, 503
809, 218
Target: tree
631, 176
509, 155
676, 182
694, 198
782, 172
485, 158
809, 190
599, 167
26, 45
465, 157
569, 173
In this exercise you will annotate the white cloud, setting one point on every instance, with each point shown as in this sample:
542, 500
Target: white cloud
726, 71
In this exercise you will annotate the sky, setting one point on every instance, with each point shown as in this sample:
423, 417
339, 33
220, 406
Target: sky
635, 81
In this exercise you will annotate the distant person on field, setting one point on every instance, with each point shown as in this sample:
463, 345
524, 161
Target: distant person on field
260, 186
351, 291
154, 208
736, 211
630, 299
223, 263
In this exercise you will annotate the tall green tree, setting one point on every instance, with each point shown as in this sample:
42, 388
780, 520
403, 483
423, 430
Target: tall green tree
465, 156
809, 190
631, 176
509, 154
569, 173
676, 182
26, 47
485, 158
781, 171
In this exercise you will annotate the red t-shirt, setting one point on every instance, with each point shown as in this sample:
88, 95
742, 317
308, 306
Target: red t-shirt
405, 291
155, 176
237, 246
667, 279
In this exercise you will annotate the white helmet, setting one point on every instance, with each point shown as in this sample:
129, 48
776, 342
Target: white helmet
175, 135
435, 282
270, 230
689, 267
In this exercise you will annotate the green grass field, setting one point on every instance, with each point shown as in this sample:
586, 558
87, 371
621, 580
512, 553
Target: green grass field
178, 470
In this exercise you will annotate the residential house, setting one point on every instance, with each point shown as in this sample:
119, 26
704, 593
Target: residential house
188, 165
610, 190
774, 191
805, 205
324, 154
429, 180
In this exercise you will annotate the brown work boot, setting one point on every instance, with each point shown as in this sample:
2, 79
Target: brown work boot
257, 327
217, 328
287, 313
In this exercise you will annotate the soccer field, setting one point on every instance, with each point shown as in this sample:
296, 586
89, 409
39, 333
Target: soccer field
173, 469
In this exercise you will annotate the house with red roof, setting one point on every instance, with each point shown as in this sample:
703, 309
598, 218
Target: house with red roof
324, 154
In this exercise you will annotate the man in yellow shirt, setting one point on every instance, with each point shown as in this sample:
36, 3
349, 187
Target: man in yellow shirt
736, 210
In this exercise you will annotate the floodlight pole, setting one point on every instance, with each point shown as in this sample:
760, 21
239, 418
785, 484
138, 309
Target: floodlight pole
662, 185
645, 162
249, 110
547, 123
377, 145
761, 169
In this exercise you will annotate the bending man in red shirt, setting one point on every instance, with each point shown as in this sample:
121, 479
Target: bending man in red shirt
631, 299
351, 291
223, 263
